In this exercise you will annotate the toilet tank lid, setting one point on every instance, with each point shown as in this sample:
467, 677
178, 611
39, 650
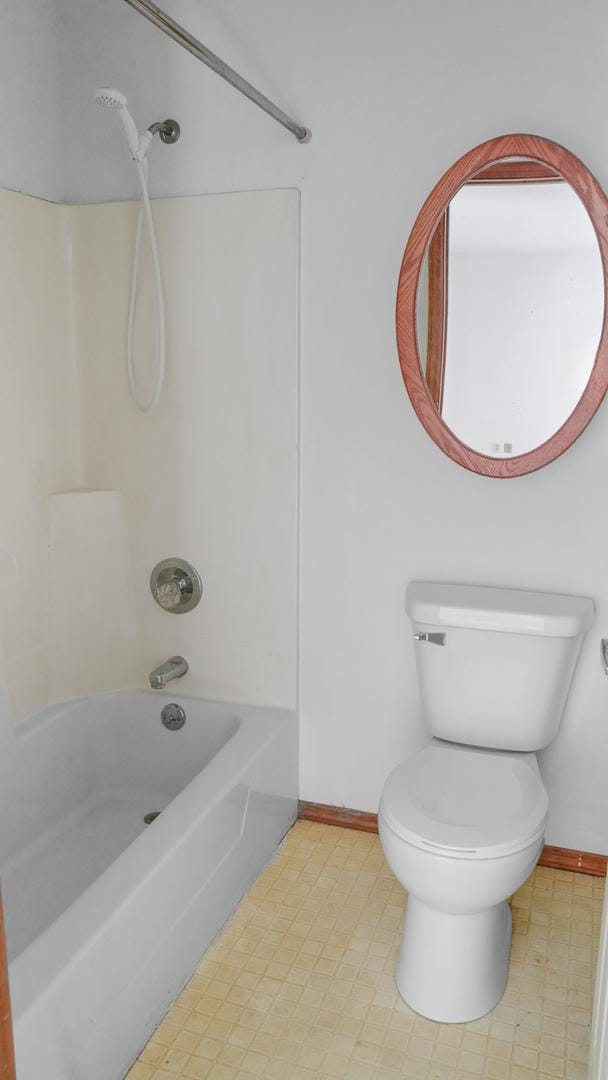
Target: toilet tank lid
514, 611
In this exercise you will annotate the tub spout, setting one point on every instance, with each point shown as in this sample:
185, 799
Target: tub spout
164, 673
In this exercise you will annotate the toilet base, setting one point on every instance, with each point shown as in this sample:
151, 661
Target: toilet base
453, 968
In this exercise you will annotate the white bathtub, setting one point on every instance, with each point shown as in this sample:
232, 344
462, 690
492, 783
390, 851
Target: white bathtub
107, 916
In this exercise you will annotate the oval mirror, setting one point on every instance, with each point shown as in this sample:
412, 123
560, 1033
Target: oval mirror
501, 306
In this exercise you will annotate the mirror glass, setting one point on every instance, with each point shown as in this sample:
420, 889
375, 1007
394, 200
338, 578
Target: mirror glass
510, 307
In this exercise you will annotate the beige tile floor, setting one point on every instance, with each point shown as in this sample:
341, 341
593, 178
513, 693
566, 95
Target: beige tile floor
299, 984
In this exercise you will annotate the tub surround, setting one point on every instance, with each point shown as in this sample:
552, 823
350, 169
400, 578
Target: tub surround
41, 451
111, 492
211, 474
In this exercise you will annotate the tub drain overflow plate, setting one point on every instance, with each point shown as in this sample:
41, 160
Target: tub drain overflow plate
173, 717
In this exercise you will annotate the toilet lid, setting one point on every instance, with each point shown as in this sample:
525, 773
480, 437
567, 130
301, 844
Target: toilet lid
466, 801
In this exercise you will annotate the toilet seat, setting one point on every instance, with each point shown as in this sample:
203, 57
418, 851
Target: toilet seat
466, 802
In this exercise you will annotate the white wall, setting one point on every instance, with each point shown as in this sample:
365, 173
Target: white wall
394, 92
31, 123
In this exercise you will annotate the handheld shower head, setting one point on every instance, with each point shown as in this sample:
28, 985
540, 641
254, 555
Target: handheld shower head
109, 98
168, 130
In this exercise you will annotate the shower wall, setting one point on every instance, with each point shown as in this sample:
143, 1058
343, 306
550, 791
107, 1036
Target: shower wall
40, 444
94, 493
210, 474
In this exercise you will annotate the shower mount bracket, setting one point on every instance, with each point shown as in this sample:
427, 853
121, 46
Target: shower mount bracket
168, 131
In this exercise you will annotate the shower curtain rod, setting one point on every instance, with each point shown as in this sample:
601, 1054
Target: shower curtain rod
173, 30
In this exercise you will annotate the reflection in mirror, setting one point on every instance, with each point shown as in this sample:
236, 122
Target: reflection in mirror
510, 308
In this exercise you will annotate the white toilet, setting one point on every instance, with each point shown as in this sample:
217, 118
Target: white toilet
462, 821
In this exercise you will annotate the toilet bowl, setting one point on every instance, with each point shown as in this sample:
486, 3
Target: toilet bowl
462, 821
462, 829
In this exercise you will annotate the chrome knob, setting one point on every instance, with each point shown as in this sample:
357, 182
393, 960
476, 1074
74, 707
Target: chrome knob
176, 586
169, 595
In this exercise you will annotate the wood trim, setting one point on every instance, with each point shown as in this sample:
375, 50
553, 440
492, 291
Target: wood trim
326, 814
7, 1052
572, 170
579, 862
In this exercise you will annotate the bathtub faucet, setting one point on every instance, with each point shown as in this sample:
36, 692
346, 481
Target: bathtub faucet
171, 669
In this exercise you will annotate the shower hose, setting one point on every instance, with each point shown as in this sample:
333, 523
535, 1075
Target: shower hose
145, 213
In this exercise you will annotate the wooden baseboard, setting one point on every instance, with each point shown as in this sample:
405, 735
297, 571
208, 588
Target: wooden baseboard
580, 862
338, 815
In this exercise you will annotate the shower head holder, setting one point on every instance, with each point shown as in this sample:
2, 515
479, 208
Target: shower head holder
168, 131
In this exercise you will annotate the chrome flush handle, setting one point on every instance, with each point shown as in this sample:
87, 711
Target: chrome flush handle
435, 639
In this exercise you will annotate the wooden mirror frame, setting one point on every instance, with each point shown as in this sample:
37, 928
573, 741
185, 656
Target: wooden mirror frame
545, 153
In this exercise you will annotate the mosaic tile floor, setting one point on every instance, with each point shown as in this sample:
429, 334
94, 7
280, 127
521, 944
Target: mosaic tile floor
299, 984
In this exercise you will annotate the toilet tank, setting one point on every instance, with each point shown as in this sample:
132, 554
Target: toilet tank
495, 665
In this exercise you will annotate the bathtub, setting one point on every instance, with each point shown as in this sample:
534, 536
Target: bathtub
106, 915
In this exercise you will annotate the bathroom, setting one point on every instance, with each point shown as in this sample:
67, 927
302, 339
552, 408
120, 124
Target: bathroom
281, 267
